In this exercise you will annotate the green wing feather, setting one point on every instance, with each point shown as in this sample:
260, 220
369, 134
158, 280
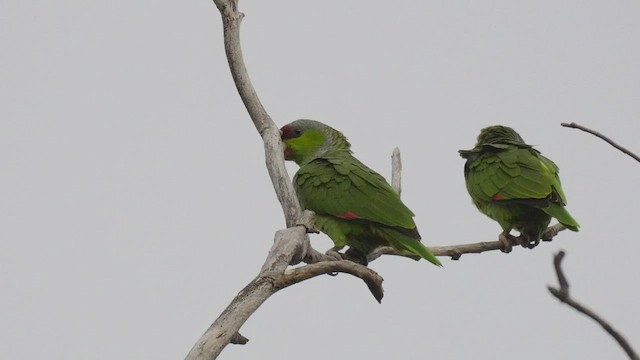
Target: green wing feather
563, 216
341, 186
411, 244
519, 175
338, 186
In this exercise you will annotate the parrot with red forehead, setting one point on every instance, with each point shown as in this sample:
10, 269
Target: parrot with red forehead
354, 205
512, 183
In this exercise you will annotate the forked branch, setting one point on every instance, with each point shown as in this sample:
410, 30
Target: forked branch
562, 294
291, 245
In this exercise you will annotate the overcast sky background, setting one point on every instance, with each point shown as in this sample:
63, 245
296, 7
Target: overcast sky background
134, 201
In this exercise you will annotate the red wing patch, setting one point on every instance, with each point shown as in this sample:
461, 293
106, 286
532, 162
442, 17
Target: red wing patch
348, 216
497, 197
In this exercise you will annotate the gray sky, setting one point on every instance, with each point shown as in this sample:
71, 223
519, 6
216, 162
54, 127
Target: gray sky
135, 202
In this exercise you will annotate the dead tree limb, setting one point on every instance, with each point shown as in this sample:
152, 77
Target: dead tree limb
291, 246
269, 131
456, 251
370, 277
396, 171
562, 294
603, 137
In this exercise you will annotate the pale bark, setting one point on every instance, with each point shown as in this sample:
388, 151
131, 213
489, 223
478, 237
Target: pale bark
291, 246
396, 171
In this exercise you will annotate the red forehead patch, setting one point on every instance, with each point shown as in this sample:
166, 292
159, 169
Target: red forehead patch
289, 132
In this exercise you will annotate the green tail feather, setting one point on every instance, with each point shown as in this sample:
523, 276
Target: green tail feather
413, 245
563, 216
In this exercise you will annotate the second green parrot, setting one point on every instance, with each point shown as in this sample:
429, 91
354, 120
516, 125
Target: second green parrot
354, 205
515, 185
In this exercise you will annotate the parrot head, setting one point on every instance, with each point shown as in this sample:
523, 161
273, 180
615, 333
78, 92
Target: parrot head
304, 140
498, 134
497, 137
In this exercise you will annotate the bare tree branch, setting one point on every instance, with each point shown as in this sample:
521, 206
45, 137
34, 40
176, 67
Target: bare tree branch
226, 326
270, 133
291, 245
388, 250
456, 251
370, 277
396, 171
562, 280
611, 142
562, 294
552, 231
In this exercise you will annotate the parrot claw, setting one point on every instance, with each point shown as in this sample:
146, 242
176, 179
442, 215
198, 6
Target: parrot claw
532, 244
308, 221
527, 241
507, 240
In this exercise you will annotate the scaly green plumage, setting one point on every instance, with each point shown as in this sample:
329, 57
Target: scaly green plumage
514, 184
354, 205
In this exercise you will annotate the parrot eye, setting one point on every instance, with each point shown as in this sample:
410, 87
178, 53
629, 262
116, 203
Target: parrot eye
290, 132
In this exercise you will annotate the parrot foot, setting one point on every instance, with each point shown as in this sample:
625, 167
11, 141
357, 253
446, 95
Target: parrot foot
308, 220
507, 241
356, 257
334, 253
528, 242
528, 239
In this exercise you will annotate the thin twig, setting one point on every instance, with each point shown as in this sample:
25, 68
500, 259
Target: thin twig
562, 280
456, 251
603, 137
562, 294
396, 171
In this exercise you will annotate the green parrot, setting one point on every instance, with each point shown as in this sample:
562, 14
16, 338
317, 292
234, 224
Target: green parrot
354, 205
515, 185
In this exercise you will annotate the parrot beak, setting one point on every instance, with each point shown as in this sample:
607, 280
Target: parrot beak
288, 154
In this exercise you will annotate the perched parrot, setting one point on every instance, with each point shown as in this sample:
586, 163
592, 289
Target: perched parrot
354, 205
515, 185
